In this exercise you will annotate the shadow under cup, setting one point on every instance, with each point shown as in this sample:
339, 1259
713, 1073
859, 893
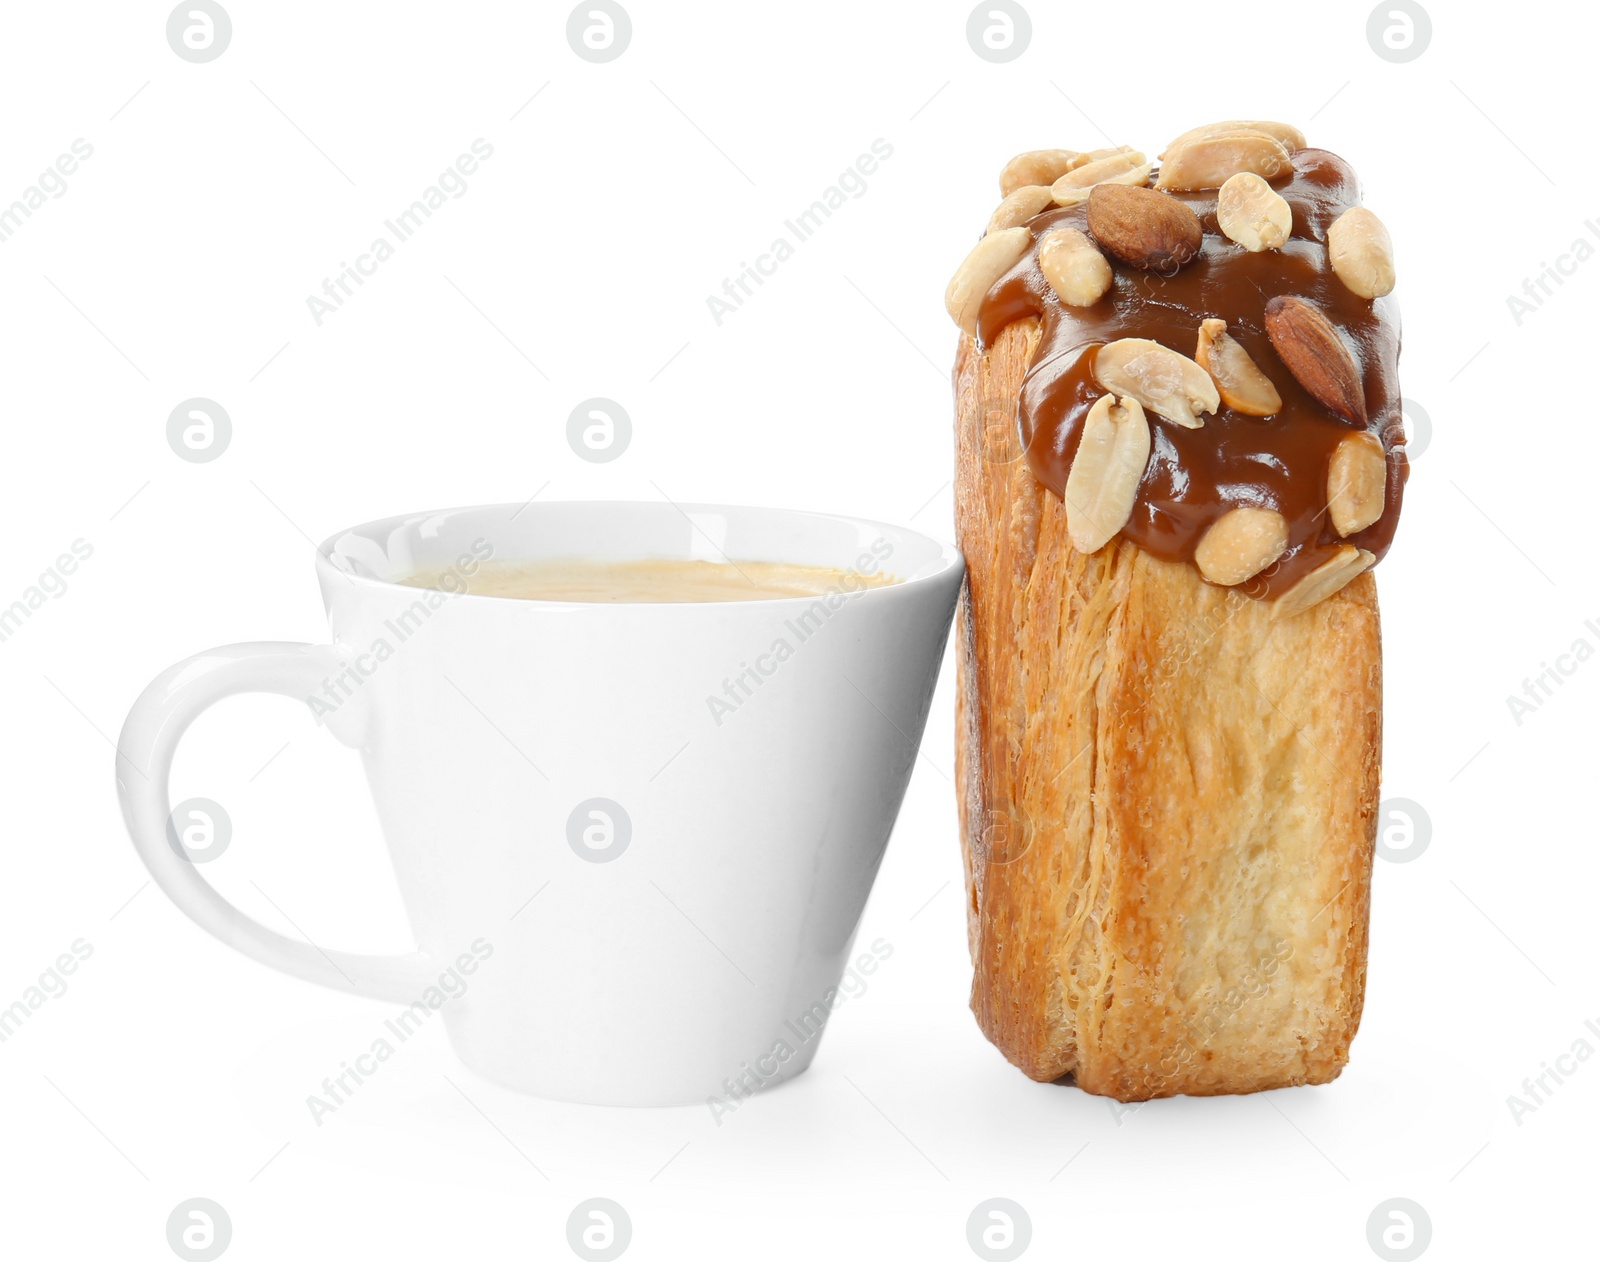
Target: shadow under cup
649, 829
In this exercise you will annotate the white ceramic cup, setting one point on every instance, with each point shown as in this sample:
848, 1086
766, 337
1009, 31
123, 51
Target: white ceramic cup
694, 797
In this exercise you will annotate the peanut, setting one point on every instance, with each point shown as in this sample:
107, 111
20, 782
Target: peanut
1103, 483
1126, 167
1163, 381
1240, 544
989, 260
1038, 166
1361, 254
1323, 581
1357, 474
1249, 212
1020, 205
1076, 270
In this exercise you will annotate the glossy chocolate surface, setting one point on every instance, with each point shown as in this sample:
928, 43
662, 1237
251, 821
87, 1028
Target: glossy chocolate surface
1194, 476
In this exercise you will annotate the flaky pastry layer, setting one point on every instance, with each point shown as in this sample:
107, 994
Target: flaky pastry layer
1168, 797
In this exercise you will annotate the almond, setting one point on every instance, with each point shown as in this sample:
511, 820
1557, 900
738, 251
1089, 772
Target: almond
1163, 381
1346, 562
989, 260
1208, 161
1243, 386
1076, 270
1144, 228
1103, 483
1240, 544
1357, 474
1313, 351
1038, 166
1020, 205
1361, 254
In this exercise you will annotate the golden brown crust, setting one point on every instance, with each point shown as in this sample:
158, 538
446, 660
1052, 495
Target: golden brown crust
1168, 797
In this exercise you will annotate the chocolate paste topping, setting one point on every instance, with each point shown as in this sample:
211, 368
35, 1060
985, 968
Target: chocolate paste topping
1196, 475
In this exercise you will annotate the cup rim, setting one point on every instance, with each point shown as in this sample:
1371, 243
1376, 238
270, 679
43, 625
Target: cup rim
949, 557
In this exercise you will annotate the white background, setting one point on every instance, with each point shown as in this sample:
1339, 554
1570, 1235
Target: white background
177, 264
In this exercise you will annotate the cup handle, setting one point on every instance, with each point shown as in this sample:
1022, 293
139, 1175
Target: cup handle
144, 764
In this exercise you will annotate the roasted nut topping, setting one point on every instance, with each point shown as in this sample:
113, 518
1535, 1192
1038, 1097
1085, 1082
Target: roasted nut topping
1323, 581
1020, 205
1291, 138
1165, 382
1038, 166
1240, 544
1249, 212
1361, 254
1125, 167
1249, 253
1143, 228
1356, 477
1243, 386
1104, 480
1208, 161
1313, 351
1076, 270
989, 260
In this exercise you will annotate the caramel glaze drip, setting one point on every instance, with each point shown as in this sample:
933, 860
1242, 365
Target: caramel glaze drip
1196, 475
